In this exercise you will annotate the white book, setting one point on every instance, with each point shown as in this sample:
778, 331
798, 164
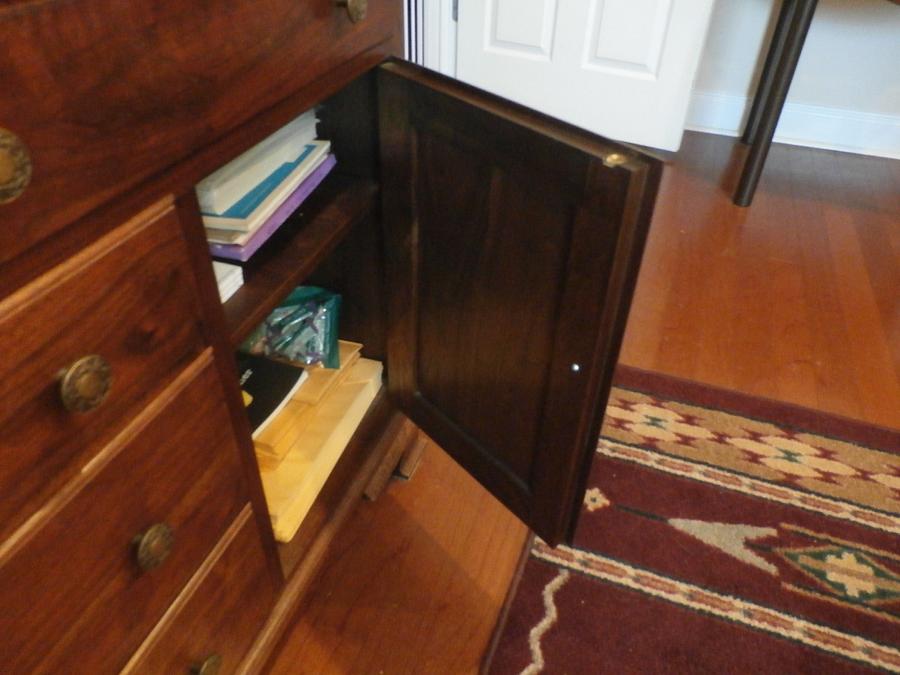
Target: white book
225, 293
315, 153
229, 278
224, 271
218, 191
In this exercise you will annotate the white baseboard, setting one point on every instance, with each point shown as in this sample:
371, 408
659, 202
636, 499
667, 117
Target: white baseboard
809, 125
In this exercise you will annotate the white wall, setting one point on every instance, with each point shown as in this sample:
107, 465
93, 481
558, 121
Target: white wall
845, 94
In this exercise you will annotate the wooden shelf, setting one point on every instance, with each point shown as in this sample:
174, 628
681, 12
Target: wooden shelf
296, 249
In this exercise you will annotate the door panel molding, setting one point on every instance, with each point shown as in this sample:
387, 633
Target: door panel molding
522, 28
624, 41
620, 68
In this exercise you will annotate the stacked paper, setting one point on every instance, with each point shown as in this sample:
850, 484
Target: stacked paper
293, 486
273, 443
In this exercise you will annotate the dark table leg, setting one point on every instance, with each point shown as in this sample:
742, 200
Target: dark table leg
768, 119
773, 57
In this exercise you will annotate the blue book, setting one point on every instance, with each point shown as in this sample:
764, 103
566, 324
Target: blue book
240, 246
250, 201
260, 202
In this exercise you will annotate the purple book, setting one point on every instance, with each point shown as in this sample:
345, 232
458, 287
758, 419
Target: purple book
267, 229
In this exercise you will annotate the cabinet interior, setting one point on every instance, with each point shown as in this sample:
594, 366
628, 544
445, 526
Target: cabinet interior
334, 241
526, 230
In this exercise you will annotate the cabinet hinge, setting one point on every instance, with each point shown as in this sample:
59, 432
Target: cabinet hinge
456, 10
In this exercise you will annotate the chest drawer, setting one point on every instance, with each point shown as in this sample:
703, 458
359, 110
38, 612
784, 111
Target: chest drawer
129, 299
220, 612
75, 597
104, 93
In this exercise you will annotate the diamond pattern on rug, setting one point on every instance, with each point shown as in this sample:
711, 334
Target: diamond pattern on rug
847, 572
755, 448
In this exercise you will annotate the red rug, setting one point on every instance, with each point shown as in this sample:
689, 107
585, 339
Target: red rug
720, 534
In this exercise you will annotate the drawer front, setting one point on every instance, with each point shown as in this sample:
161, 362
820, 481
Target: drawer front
129, 298
74, 598
219, 614
104, 93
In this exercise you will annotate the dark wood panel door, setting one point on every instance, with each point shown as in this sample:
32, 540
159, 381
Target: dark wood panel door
512, 243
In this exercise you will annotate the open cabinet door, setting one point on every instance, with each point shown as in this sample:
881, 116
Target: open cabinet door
513, 243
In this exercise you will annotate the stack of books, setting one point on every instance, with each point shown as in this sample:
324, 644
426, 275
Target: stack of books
247, 200
267, 385
229, 279
302, 420
301, 443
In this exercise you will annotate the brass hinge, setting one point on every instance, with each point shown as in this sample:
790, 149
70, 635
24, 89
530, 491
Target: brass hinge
614, 159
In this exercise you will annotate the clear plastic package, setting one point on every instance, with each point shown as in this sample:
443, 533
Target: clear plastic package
303, 329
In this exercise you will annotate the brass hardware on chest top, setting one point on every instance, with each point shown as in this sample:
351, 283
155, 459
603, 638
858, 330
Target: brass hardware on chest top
356, 9
15, 166
210, 666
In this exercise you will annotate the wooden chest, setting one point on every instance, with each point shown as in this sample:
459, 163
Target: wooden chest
487, 254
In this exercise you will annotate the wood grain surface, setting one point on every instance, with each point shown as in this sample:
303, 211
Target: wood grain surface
796, 298
73, 595
105, 93
220, 610
129, 298
414, 583
508, 285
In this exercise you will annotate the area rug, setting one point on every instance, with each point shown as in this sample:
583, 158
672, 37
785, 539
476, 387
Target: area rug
720, 534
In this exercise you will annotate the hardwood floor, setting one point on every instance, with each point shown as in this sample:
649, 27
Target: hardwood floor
414, 584
796, 298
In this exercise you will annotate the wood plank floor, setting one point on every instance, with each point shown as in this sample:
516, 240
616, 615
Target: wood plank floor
796, 298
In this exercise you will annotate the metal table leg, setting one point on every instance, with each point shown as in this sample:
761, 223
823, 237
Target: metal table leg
773, 57
798, 27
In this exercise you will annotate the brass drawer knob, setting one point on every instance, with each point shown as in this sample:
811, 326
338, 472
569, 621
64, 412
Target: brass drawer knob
15, 166
210, 666
153, 546
85, 383
356, 9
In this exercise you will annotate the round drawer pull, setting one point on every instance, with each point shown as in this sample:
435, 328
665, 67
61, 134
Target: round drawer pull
85, 383
356, 9
210, 666
153, 546
15, 166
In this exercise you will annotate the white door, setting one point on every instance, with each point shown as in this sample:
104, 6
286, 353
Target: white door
619, 68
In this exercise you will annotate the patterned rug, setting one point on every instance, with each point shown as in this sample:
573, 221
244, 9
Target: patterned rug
720, 534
